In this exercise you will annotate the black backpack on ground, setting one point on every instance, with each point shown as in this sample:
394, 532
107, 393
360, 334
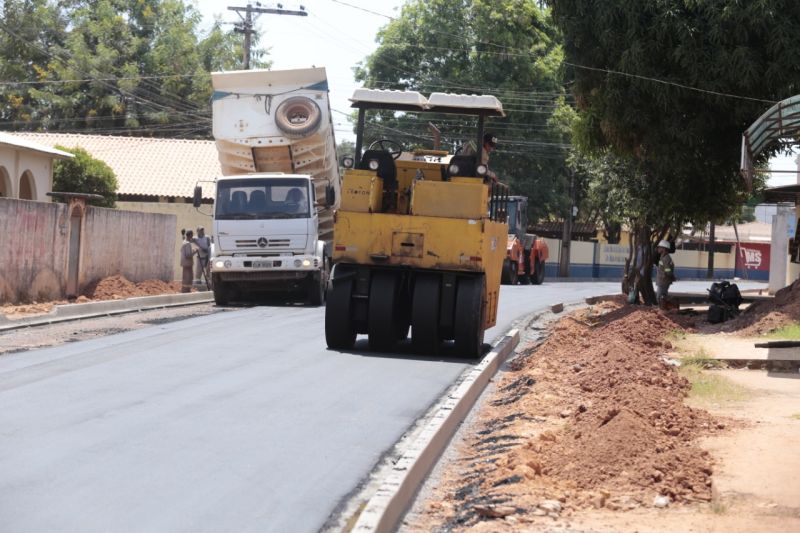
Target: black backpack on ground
718, 313
725, 299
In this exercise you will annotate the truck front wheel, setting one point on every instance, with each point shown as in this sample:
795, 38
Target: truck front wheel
221, 290
318, 285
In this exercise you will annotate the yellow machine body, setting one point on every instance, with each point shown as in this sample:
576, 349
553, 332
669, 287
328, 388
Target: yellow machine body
420, 237
447, 229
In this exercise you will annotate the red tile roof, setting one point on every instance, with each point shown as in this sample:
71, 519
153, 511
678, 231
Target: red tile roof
144, 165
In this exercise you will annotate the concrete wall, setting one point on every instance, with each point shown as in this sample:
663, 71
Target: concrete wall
187, 218
136, 245
35, 247
33, 250
23, 171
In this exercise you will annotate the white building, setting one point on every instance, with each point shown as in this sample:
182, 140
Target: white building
26, 168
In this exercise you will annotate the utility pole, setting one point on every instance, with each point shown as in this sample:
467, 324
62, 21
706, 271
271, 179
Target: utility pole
566, 234
246, 25
712, 245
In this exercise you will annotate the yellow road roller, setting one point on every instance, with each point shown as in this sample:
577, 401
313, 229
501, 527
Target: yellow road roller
420, 237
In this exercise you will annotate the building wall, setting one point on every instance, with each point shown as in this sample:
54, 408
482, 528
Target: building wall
19, 165
607, 261
187, 217
35, 247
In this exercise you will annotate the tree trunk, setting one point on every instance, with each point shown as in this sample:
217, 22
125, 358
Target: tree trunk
635, 274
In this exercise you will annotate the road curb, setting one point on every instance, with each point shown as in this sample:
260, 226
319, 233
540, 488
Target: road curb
67, 312
397, 492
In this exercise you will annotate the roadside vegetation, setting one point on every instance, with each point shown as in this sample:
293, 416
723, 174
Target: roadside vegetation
790, 332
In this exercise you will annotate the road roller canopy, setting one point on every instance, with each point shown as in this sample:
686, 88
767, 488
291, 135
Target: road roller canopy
464, 104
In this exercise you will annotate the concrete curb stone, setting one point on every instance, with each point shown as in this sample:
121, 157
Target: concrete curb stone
66, 312
398, 490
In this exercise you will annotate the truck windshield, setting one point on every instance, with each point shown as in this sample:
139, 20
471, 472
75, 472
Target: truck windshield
258, 198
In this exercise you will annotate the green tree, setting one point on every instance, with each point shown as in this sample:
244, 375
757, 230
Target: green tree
507, 48
28, 30
671, 86
118, 66
85, 174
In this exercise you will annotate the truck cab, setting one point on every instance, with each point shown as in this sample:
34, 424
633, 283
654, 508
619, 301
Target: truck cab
266, 237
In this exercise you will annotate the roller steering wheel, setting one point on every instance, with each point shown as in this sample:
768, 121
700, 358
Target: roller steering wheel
386, 145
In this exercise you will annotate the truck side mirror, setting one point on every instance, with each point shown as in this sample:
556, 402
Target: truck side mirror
330, 196
198, 196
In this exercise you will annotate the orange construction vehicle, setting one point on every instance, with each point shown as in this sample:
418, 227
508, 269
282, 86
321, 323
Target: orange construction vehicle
526, 253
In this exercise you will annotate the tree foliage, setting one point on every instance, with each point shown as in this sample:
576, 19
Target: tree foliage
507, 48
666, 88
85, 174
673, 85
110, 66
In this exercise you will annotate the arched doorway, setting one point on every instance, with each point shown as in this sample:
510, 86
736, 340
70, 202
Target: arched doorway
73, 260
5, 184
27, 187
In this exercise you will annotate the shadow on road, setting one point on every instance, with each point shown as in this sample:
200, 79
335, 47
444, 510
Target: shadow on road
404, 350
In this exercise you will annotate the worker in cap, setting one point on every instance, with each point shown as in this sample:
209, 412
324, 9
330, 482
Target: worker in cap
665, 274
203, 243
489, 146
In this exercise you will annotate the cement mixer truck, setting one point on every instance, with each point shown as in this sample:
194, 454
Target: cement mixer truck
274, 204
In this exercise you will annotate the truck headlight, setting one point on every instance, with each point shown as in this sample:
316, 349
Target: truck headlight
297, 262
481, 170
306, 262
219, 264
454, 170
373, 164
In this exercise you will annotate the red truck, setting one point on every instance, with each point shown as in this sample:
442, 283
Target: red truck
526, 253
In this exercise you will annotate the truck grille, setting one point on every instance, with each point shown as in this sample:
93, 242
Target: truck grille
253, 244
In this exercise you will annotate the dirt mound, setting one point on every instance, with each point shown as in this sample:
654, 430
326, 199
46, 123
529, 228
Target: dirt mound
118, 287
763, 317
593, 417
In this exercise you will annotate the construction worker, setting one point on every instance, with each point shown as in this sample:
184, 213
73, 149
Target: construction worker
665, 274
188, 251
489, 146
203, 244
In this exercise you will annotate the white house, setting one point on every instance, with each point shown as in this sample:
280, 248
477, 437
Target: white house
26, 168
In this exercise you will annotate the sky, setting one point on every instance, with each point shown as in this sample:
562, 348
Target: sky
337, 35
334, 35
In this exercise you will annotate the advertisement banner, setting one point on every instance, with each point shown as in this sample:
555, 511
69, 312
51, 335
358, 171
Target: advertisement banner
752, 256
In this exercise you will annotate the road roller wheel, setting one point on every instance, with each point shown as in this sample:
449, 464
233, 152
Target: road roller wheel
469, 317
339, 331
425, 315
382, 324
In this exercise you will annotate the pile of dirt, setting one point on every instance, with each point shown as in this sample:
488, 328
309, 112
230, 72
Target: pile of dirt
119, 287
592, 418
765, 316
110, 288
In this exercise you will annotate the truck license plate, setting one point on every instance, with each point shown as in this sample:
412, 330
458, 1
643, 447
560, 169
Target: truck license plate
262, 264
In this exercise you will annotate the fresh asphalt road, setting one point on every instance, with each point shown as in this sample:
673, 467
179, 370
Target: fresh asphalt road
237, 421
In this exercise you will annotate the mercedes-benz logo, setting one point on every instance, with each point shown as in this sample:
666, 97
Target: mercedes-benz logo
262, 242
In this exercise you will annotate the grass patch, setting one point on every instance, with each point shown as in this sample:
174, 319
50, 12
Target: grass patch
676, 334
789, 332
709, 387
718, 507
702, 359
